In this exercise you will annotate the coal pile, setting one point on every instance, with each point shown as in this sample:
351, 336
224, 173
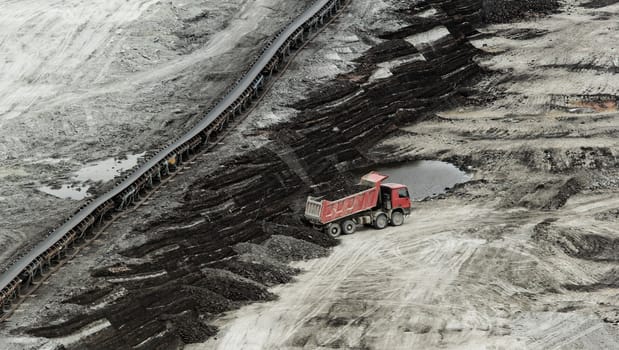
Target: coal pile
257, 265
247, 213
291, 249
595, 4
372, 111
500, 11
191, 329
294, 226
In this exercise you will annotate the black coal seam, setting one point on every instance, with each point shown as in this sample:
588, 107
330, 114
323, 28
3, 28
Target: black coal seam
210, 241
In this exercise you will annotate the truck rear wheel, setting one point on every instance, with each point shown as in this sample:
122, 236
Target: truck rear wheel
381, 221
397, 218
348, 227
334, 229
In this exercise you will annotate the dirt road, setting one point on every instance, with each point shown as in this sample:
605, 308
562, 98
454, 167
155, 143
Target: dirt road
373, 290
456, 275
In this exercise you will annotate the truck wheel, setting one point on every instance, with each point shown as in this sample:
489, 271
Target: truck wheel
334, 229
349, 227
381, 221
397, 218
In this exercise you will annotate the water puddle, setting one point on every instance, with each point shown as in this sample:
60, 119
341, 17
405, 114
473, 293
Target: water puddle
75, 192
104, 170
107, 169
425, 178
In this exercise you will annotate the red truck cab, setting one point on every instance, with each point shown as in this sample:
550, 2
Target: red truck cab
395, 196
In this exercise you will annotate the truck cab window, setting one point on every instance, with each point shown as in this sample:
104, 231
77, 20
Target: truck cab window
403, 193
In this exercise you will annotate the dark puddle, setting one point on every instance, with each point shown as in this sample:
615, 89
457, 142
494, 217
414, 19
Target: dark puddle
425, 178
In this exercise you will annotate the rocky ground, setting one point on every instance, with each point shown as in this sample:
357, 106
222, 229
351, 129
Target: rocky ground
521, 256
85, 85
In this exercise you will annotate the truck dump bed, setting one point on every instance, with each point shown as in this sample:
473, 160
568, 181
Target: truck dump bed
324, 211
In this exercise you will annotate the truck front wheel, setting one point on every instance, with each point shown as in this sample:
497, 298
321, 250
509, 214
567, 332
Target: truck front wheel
334, 229
381, 221
397, 218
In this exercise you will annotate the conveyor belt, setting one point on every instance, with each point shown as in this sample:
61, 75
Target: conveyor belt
26, 266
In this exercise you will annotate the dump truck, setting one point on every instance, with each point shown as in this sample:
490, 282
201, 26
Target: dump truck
379, 205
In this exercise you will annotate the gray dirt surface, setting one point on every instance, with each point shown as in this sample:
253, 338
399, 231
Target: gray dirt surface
520, 257
523, 256
83, 82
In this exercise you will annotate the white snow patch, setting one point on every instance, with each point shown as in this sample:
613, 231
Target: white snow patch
273, 116
344, 49
138, 277
327, 70
428, 13
403, 60
333, 56
380, 73
384, 70
158, 335
184, 227
343, 100
349, 38
428, 37
109, 299
87, 330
